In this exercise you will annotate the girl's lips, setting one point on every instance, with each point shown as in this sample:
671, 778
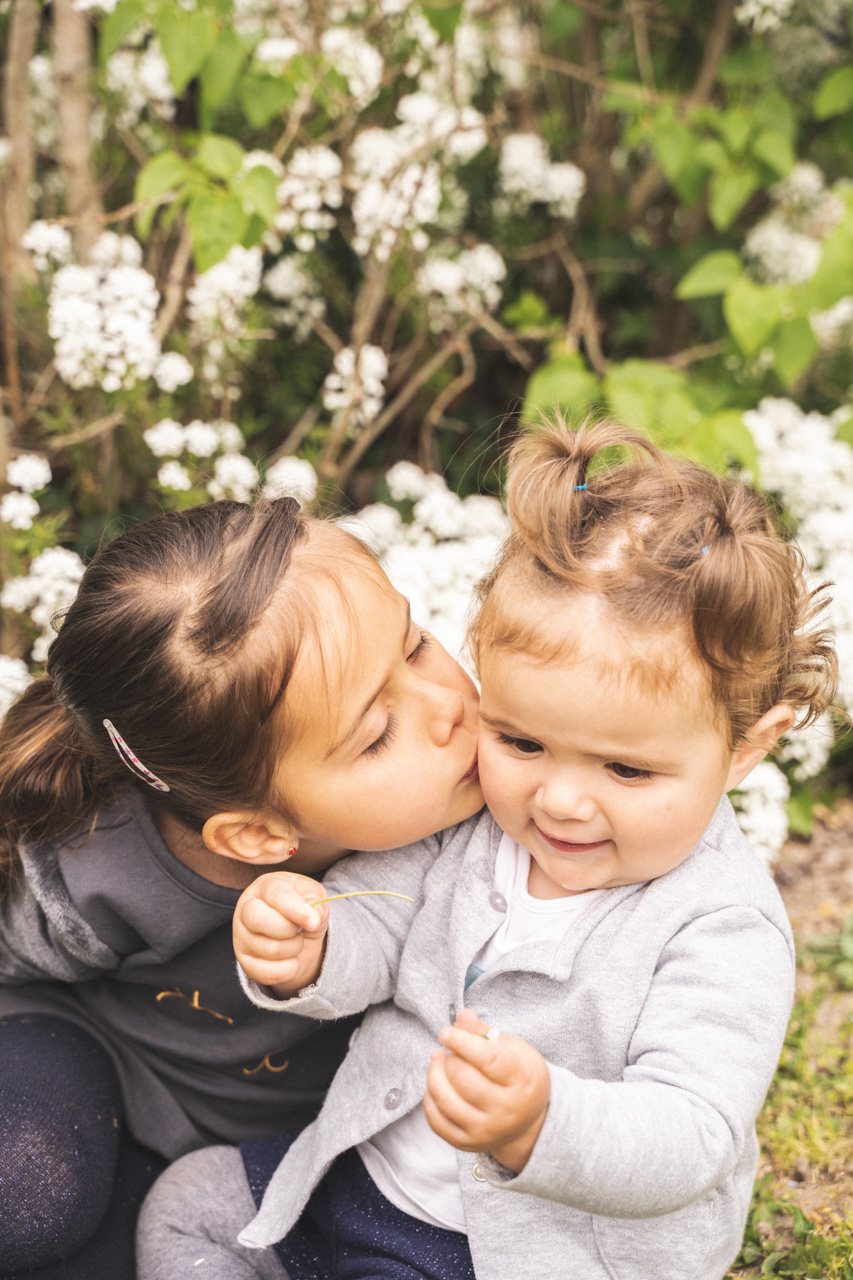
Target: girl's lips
570, 846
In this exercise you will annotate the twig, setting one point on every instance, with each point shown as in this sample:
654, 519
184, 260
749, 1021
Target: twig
641, 44
294, 120
508, 340
441, 404
117, 215
328, 335
54, 444
583, 321
37, 395
702, 351
298, 432
575, 72
175, 284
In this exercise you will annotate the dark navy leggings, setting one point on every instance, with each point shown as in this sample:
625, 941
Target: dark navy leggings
349, 1231
71, 1179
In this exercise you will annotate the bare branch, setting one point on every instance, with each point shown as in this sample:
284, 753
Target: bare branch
20, 166
507, 340
641, 44
442, 403
173, 294
55, 444
576, 72
702, 351
298, 433
71, 39
38, 394
583, 321
328, 335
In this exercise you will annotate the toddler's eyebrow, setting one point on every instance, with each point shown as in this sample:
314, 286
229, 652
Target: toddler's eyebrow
353, 729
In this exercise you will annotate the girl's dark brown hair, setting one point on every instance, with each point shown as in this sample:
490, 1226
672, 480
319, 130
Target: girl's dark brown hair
184, 634
667, 544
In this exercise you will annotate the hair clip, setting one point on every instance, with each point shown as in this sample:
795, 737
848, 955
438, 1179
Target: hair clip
580, 486
134, 765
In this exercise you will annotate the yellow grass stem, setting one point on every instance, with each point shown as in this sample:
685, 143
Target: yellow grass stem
363, 893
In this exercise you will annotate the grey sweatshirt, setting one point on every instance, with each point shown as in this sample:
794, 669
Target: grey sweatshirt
115, 933
661, 1014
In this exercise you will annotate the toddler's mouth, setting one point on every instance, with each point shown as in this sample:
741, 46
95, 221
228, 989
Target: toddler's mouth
571, 846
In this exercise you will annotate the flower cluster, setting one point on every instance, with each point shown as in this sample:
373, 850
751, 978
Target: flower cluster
291, 282
216, 309
29, 473
169, 439
49, 243
102, 316
311, 186
763, 15
140, 79
760, 804
50, 585
466, 285
356, 60
14, 678
528, 177
357, 387
785, 247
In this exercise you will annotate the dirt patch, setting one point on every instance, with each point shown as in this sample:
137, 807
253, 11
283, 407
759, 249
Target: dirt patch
815, 877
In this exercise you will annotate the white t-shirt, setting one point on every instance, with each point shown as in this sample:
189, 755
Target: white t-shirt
412, 1167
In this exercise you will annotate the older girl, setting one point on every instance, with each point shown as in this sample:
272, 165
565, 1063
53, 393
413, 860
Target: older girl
169, 757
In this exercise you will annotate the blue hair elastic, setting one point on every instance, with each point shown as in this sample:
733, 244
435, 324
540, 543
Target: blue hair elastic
580, 486
704, 551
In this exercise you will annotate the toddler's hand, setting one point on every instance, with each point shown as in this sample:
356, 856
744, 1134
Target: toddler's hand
279, 938
487, 1095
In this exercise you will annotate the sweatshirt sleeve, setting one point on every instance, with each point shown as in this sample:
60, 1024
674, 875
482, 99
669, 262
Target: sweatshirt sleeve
42, 934
366, 934
702, 1057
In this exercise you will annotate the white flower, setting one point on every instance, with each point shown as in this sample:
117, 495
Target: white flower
763, 15
779, 255
378, 526
19, 510
406, 481
216, 307
29, 471
761, 810
173, 370
201, 439
276, 51
528, 176
358, 390
356, 60
809, 747
102, 6
234, 476
49, 243
140, 79
291, 281
311, 186
470, 283
174, 476
294, 477
51, 584
833, 327
231, 438
14, 678
165, 439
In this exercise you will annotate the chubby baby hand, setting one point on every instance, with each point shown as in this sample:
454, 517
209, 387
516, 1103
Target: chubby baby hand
490, 1092
279, 936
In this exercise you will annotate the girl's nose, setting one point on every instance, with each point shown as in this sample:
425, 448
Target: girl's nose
566, 799
445, 709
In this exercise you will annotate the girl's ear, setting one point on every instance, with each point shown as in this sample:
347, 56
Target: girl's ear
247, 838
760, 739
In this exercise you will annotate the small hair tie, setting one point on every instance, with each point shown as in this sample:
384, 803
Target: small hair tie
134, 765
580, 486
704, 551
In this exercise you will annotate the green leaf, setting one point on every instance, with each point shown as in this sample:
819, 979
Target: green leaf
673, 146
844, 974
563, 383
187, 38
562, 21
527, 312
734, 127
164, 172
712, 154
794, 347
752, 312
220, 72
258, 193
642, 393
711, 275
768, 1267
217, 221
800, 810
834, 93
729, 191
750, 64
444, 19
219, 156
844, 431
734, 439
262, 98
118, 26
774, 149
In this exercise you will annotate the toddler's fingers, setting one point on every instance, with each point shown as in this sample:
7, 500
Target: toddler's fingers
259, 918
450, 1115
291, 896
492, 1052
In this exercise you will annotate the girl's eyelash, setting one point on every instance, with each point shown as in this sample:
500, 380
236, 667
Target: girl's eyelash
424, 643
385, 738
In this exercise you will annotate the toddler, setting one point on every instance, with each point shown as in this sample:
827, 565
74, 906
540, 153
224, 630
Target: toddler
644, 640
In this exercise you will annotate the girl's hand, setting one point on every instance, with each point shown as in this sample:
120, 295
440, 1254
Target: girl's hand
487, 1095
279, 938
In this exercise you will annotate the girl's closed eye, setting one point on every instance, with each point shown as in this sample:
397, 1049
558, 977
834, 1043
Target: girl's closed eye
627, 772
424, 642
384, 739
524, 745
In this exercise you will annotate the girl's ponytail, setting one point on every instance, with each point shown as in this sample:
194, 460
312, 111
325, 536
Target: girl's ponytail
48, 782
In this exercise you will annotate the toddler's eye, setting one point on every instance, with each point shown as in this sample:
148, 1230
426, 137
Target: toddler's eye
385, 738
524, 745
627, 772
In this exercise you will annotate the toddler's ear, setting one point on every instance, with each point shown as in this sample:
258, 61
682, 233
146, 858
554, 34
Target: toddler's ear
760, 739
247, 838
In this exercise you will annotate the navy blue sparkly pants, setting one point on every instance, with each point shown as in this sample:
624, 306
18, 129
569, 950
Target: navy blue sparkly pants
349, 1231
71, 1178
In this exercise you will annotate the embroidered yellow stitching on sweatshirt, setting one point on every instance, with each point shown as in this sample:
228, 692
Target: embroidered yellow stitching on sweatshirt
194, 1004
265, 1062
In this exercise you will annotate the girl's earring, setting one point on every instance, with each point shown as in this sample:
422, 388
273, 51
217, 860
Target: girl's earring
291, 851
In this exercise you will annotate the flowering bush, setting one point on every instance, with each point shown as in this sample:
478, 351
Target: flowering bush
343, 241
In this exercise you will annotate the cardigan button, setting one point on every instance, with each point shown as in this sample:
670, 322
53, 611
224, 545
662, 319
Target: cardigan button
393, 1098
479, 1173
497, 900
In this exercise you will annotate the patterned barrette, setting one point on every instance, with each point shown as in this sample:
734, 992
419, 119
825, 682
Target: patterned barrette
134, 765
